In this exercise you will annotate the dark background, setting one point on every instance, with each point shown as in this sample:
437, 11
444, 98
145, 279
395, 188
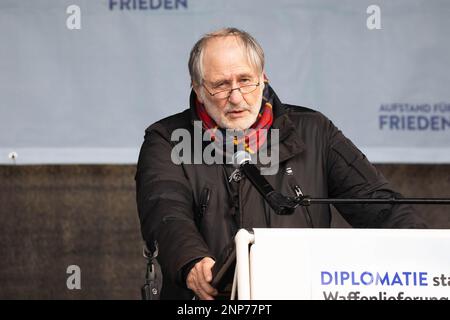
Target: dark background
85, 215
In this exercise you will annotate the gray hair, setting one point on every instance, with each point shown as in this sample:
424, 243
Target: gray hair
254, 52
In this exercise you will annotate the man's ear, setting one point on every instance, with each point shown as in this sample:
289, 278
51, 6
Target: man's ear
198, 93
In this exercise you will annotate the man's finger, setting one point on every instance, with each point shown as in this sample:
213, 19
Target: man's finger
207, 269
200, 288
207, 276
207, 288
203, 295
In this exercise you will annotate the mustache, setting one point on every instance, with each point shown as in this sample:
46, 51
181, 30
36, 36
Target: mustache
234, 108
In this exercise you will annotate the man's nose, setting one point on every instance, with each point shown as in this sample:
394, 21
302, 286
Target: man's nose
235, 96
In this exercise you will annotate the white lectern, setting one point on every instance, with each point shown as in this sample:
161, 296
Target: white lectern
337, 264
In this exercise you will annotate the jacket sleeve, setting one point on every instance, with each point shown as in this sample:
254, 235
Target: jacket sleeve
351, 175
166, 206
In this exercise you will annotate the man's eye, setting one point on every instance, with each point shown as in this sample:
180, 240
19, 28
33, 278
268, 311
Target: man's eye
221, 86
245, 81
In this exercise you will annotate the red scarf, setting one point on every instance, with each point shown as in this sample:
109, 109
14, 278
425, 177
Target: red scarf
253, 139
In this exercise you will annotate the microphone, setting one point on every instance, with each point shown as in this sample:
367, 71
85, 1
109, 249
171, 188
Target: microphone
279, 203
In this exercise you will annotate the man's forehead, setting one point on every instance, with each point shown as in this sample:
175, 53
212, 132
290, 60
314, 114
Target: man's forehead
218, 75
217, 49
225, 57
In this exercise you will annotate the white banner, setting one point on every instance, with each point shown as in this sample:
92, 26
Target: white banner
345, 264
80, 80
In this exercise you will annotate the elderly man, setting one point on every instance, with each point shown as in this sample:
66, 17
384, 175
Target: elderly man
193, 210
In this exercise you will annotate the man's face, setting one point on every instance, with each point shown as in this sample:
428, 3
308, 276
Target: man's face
225, 65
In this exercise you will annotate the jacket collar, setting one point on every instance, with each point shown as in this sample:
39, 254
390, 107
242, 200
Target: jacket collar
290, 141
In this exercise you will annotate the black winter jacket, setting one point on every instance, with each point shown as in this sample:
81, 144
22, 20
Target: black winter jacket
193, 211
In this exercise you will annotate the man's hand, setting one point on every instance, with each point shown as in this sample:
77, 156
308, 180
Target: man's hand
199, 277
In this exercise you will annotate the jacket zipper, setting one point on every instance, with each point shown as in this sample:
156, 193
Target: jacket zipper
241, 208
204, 201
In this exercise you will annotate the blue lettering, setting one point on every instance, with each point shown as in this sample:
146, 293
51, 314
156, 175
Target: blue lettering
396, 280
383, 121
442, 107
394, 122
423, 279
143, 5
124, 3
407, 274
382, 280
354, 282
112, 3
435, 123
384, 107
445, 123
168, 4
344, 276
153, 6
325, 281
182, 2
147, 4
422, 123
411, 123
370, 278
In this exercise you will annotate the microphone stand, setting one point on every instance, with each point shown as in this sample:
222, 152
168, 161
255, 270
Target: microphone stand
307, 200
286, 205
